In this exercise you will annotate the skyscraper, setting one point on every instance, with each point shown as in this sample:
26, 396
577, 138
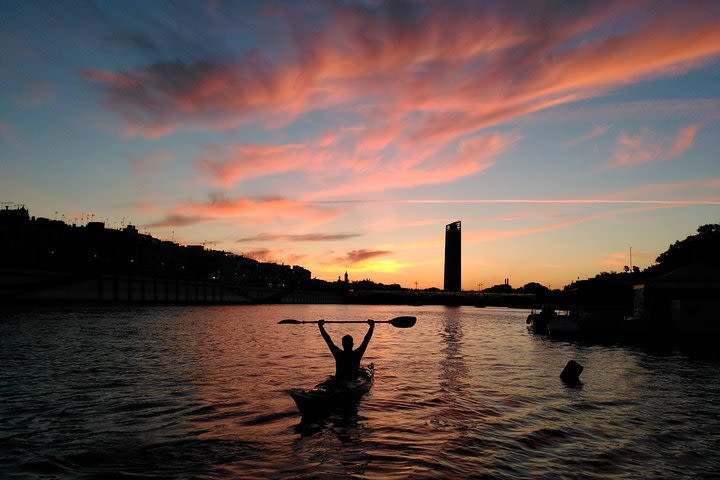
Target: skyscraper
452, 257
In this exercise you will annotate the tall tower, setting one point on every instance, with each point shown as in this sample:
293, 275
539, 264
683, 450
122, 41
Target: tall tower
452, 257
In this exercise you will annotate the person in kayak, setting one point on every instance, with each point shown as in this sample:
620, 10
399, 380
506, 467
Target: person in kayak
347, 360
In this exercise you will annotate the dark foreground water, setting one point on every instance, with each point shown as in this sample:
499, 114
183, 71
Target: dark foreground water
201, 392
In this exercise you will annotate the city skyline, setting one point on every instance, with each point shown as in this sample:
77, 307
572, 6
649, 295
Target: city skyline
343, 136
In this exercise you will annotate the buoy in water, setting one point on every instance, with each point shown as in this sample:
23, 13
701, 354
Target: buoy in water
571, 373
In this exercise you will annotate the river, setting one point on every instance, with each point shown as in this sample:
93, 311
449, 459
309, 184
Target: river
201, 392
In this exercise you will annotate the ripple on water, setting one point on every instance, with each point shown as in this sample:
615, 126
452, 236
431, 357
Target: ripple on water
201, 392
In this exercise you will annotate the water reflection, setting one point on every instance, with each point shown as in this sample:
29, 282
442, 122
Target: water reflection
452, 364
344, 423
202, 393
336, 442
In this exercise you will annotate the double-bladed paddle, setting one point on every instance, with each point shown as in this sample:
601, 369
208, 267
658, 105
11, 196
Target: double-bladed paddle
398, 322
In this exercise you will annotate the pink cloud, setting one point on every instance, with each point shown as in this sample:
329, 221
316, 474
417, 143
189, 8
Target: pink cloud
455, 68
472, 156
306, 237
294, 258
357, 256
163, 97
246, 210
596, 131
353, 258
177, 220
647, 146
320, 156
231, 164
635, 150
328, 139
275, 255
351, 173
701, 110
358, 259
684, 141
378, 137
262, 254
421, 77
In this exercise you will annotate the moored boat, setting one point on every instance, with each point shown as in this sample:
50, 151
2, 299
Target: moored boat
333, 393
554, 324
537, 322
560, 326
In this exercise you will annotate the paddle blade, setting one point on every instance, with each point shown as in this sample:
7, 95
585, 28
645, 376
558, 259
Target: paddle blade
291, 321
403, 322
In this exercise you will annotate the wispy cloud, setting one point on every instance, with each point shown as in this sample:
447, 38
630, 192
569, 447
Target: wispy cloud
684, 141
229, 165
596, 131
262, 254
493, 64
359, 260
307, 237
559, 201
362, 260
248, 211
698, 110
276, 255
177, 220
648, 146
420, 81
472, 156
357, 256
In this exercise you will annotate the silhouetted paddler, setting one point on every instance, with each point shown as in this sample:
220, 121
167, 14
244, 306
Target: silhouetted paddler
347, 360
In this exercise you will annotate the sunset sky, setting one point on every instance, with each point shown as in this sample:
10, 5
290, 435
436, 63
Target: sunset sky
345, 135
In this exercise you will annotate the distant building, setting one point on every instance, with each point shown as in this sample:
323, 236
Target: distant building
301, 274
15, 216
41, 244
452, 257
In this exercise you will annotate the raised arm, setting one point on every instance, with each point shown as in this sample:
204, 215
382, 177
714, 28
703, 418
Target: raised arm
326, 337
366, 340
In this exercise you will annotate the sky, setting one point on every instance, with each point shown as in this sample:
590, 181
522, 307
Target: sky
344, 135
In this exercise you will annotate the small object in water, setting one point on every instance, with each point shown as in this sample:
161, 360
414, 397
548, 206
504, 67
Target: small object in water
571, 373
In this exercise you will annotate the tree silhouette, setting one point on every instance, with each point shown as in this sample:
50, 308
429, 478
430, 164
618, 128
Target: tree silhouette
704, 247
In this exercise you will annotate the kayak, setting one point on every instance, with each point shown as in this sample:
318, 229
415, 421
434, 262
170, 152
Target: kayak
333, 393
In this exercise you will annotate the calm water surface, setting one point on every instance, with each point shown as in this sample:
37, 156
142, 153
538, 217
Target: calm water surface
201, 392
